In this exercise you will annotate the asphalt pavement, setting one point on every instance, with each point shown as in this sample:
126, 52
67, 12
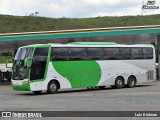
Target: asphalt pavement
144, 97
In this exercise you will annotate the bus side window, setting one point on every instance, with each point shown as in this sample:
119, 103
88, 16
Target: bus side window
77, 53
125, 53
137, 53
41, 54
111, 53
60, 54
94, 53
148, 53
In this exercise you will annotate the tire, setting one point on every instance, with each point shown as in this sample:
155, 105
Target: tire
37, 92
88, 88
119, 83
52, 87
1, 77
8, 76
131, 82
101, 87
91, 88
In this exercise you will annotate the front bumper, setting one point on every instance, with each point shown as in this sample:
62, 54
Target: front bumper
22, 85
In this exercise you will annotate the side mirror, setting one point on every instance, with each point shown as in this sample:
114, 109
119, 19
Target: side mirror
8, 62
27, 62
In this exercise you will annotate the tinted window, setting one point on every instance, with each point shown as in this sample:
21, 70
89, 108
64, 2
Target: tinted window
125, 53
137, 53
41, 54
111, 53
94, 53
77, 53
59, 53
147, 53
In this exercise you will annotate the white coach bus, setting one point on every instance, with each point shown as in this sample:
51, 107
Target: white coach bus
49, 67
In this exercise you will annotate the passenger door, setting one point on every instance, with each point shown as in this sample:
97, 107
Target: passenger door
39, 63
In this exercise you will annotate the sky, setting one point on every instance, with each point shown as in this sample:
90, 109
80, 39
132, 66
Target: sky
75, 8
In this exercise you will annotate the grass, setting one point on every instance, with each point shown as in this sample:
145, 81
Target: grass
13, 24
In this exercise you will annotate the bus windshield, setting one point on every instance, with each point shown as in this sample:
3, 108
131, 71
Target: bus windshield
19, 71
23, 53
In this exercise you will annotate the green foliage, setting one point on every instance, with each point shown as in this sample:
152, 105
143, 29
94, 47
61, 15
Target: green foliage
13, 24
4, 58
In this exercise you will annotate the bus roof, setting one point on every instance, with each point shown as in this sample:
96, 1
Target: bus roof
90, 44
93, 43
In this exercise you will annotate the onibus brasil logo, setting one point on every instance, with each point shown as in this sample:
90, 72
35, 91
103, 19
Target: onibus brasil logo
150, 5
21, 114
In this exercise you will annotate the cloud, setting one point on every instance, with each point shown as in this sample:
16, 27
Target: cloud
73, 8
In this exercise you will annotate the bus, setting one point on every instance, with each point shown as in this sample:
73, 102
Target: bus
51, 67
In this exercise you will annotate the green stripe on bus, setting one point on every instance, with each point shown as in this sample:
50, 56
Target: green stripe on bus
79, 73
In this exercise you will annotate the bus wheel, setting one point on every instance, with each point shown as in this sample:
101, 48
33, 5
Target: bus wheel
90, 88
37, 92
8, 76
101, 87
131, 82
52, 87
1, 76
119, 82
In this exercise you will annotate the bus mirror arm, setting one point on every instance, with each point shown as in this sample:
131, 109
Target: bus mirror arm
9, 60
27, 62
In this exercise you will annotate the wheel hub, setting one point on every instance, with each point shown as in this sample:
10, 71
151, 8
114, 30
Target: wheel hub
53, 87
119, 82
